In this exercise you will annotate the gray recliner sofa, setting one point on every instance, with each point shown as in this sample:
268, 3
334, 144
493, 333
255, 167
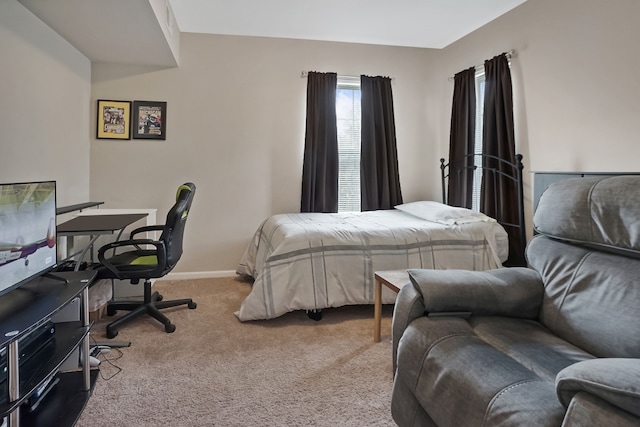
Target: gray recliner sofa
556, 344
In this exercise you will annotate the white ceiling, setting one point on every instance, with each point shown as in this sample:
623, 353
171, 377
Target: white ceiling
128, 31
414, 23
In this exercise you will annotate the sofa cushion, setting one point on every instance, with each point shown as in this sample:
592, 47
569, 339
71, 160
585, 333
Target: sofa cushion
598, 212
591, 298
462, 380
530, 344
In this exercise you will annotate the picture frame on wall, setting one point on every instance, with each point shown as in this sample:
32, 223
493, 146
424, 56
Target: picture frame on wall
114, 119
150, 120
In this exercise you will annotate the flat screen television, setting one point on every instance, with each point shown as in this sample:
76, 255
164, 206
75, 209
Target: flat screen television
27, 232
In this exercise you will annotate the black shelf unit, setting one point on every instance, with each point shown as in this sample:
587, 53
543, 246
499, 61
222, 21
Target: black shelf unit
21, 312
60, 409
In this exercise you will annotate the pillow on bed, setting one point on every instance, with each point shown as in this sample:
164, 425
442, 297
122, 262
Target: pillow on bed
443, 214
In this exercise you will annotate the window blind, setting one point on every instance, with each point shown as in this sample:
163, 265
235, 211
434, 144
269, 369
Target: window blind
348, 124
477, 159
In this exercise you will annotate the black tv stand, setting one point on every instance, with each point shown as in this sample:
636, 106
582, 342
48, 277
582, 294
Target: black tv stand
55, 277
20, 314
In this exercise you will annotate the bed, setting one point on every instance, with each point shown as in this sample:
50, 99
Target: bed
314, 261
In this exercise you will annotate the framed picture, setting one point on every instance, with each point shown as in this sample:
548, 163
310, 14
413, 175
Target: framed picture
150, 120
114, 119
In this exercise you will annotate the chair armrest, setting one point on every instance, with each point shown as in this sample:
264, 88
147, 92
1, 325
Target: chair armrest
513, 292
135, 243
616, 381
145, 229
160, 250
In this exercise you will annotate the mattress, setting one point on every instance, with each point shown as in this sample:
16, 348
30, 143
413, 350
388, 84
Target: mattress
313, 261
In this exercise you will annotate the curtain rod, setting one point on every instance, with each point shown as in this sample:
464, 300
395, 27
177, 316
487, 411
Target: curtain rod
305, 74
509, 55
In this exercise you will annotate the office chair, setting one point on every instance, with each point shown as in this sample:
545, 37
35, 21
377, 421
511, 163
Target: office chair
140, 263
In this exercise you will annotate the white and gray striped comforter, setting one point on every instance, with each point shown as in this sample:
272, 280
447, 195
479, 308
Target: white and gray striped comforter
312, 261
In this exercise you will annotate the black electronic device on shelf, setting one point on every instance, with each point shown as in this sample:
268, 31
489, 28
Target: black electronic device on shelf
32, 349
32, 403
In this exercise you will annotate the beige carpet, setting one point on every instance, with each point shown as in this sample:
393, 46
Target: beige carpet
216, 371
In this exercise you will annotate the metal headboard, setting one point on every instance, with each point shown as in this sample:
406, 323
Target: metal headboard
502, 166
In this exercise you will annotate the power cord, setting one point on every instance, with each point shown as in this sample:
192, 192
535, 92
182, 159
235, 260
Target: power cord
100, 352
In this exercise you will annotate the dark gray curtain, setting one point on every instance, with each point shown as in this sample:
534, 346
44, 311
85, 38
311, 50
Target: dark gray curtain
320, 165
379, 177
498, 139
462, 139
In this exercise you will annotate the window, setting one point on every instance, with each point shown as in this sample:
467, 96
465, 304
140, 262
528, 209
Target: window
348, 124
477, 160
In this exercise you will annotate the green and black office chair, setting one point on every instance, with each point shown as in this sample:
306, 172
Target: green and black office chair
147, 259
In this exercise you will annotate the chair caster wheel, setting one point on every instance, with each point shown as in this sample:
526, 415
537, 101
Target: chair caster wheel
111, 333
160, 297
111, 311
169, 328
192, 305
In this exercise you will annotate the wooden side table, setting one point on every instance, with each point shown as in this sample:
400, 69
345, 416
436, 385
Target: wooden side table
394, 280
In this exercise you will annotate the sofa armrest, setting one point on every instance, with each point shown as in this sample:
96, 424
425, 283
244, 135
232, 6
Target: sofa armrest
513, 292
616, 381
409, 306
588, 410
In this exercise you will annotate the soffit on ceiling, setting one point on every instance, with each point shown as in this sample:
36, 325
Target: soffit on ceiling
117, 31
128, 31
413, 23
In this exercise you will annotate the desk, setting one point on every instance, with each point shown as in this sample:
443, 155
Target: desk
95, 225
78, 207
122, 289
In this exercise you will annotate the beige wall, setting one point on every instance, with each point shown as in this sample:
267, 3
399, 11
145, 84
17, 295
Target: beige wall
236, 112
576, 80
45, 88
235, 127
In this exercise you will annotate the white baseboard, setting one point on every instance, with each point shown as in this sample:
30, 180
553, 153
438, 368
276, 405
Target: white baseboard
200, 275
